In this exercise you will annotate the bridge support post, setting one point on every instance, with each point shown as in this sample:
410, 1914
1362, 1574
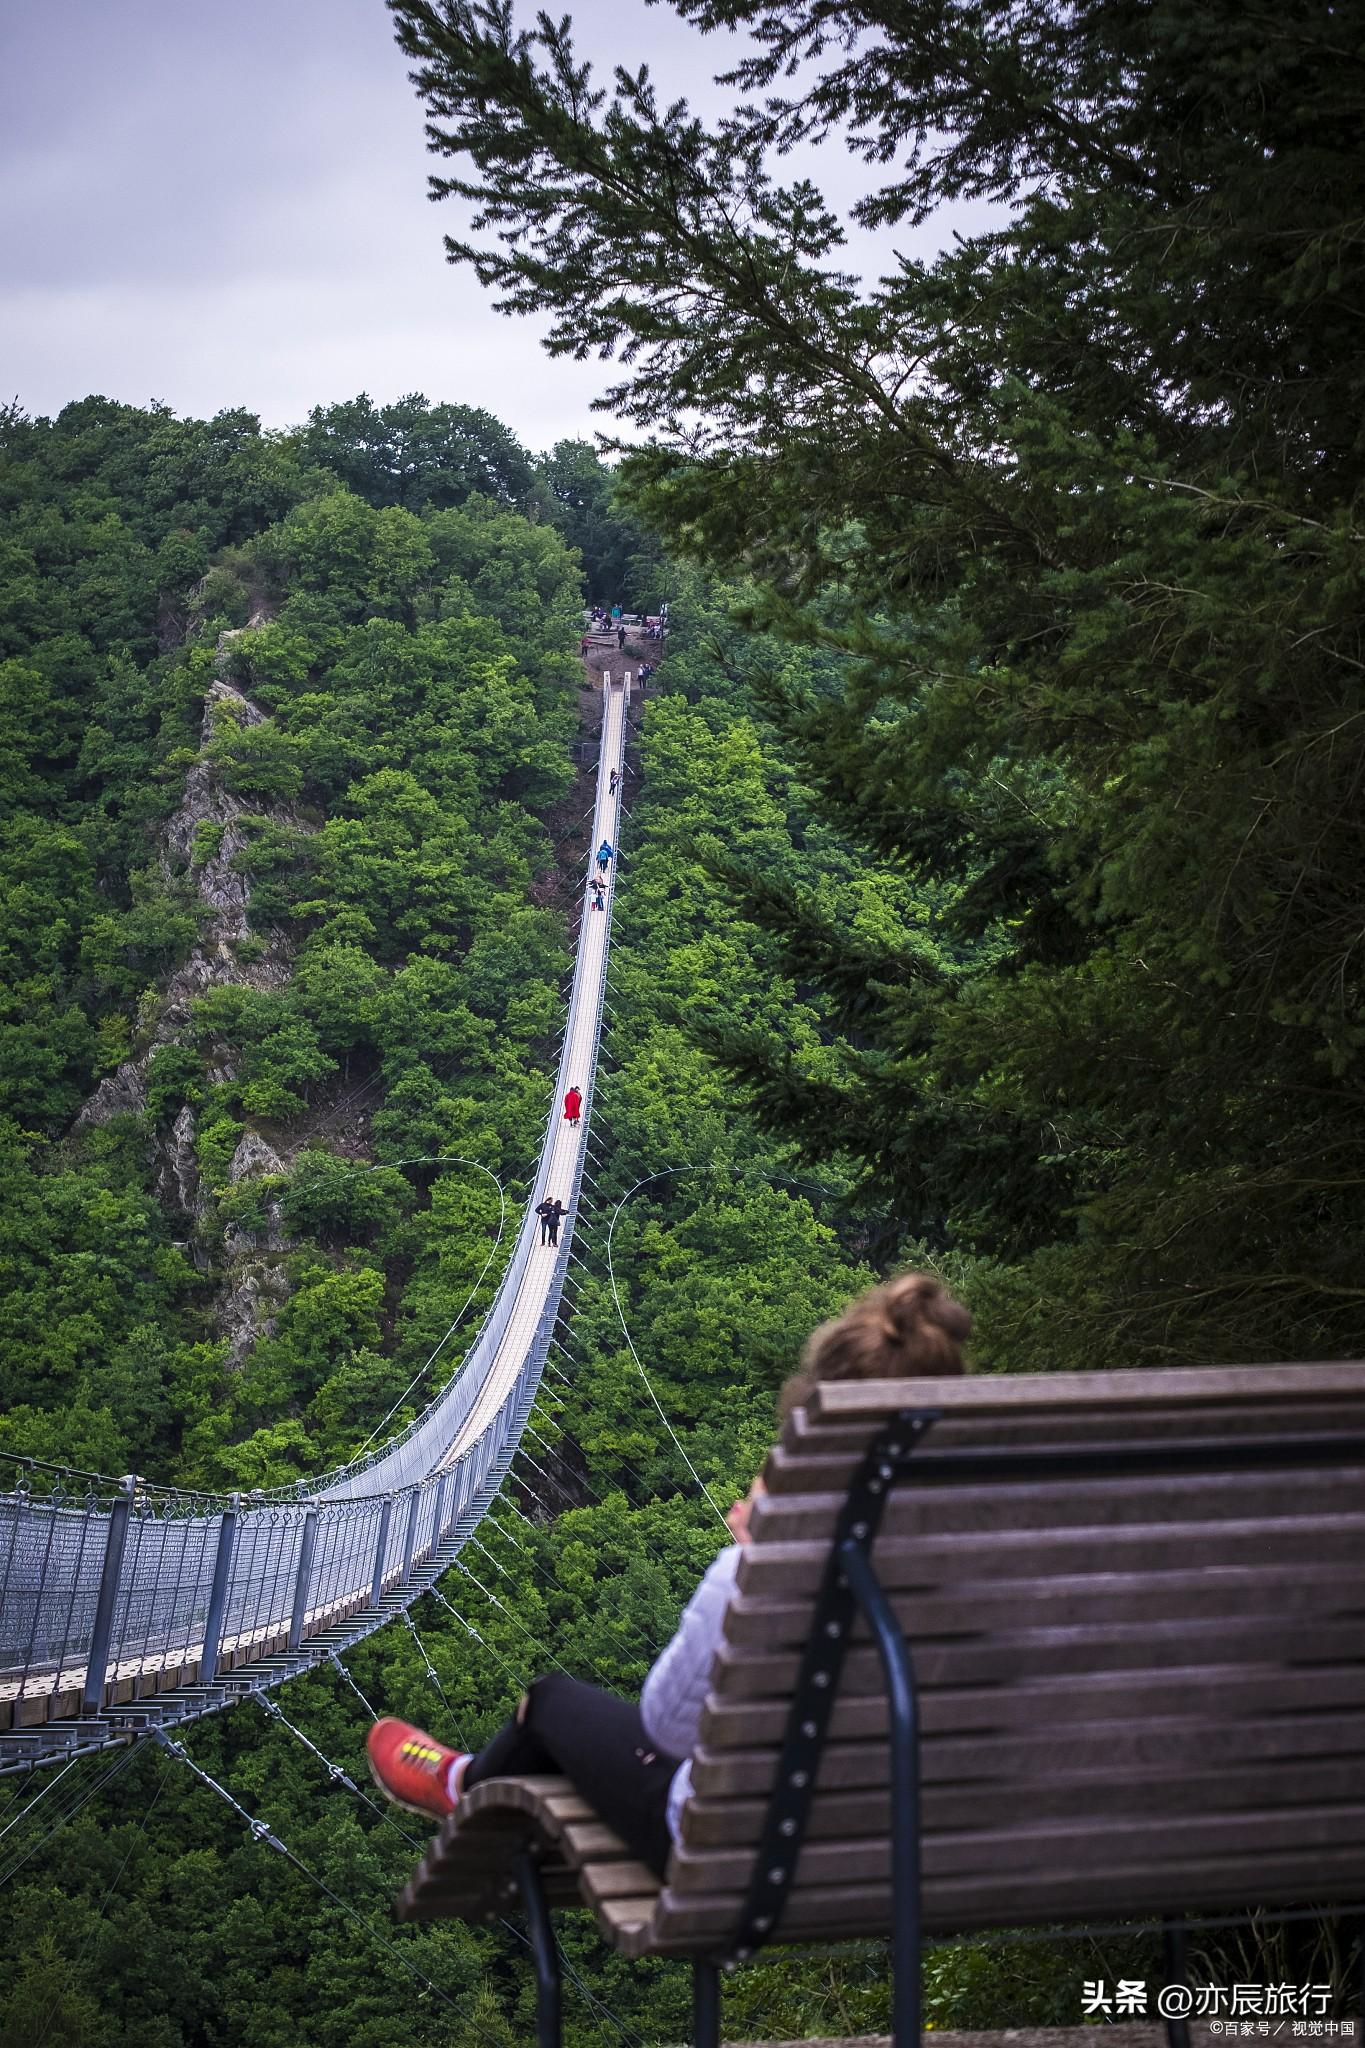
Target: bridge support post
380, 1552
306, 1544
102, 1633
222, 1572
410, 1538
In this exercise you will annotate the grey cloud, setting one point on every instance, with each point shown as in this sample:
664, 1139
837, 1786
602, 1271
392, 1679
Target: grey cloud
216, 206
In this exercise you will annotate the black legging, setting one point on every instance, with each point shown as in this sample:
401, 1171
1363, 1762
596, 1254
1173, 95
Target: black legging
598, 1742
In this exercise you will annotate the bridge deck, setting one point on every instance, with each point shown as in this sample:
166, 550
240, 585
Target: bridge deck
562, 1157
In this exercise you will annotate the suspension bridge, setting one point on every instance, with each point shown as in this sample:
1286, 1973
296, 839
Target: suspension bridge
127, 1608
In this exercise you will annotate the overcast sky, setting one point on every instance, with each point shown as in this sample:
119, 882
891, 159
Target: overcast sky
219, 205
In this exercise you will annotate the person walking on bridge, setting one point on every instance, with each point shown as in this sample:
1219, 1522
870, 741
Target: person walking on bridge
573, 1103
629, 1760
549, 1213
604, 855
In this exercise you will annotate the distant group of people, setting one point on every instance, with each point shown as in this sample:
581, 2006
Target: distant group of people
607, 619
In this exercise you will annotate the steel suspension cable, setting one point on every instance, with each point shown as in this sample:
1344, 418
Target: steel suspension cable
465, 1571
432, 1674
664, 1173
444, 1159
38, 1797
342, 1672
261, 1832
388, 1815
109, 1891
335, 1773
470, 1630
548, 1574
67, 1813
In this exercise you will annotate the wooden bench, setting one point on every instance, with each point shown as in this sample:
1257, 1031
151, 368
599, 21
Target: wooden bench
1003, 1652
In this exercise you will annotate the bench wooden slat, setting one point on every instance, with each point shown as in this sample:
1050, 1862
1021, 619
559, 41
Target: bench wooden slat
1198, 1690
807, 1513
527, 1795
683, 1923
1232, 1593
1079, 1843
734, 1822
1157, 1547
474, 1893
939, 1506
846, 1441
751, 1673
626, 1923
998, 1757
624, 1878
1318, 1555
592, 1842
985, 1394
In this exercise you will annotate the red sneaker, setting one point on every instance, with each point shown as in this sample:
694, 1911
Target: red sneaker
411, 1767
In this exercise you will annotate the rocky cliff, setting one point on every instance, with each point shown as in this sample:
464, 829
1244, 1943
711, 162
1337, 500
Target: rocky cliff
252, 1284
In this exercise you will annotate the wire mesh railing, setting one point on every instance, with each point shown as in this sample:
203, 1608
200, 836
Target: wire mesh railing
114, 1592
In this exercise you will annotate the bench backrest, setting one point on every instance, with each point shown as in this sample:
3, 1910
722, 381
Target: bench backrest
1140, 1690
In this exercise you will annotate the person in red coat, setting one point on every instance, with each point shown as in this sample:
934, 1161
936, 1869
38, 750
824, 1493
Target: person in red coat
573, 1103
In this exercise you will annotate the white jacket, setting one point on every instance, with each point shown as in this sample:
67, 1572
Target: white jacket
675, 1690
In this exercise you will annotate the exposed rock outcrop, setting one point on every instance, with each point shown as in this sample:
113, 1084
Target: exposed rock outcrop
253, 1156
177, 1169
122, 1093
225, 894
205, 835
256, 1286
245, 1310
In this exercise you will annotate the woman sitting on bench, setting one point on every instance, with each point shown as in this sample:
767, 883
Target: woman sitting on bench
628, 1760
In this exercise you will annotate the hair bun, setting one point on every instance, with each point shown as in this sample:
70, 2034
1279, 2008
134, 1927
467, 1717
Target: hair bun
908, 1326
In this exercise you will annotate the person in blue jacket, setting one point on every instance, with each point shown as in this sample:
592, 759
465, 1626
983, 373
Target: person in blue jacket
604, 855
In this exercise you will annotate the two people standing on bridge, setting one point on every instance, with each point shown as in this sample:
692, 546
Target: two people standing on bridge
631, 1761
549, 1213
604, 853
573, 1104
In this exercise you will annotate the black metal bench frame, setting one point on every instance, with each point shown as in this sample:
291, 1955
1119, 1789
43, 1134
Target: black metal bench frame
848, 1588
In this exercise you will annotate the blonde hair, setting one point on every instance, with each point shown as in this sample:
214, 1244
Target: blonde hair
905, 1327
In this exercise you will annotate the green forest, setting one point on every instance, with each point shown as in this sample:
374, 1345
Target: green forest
990, 899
